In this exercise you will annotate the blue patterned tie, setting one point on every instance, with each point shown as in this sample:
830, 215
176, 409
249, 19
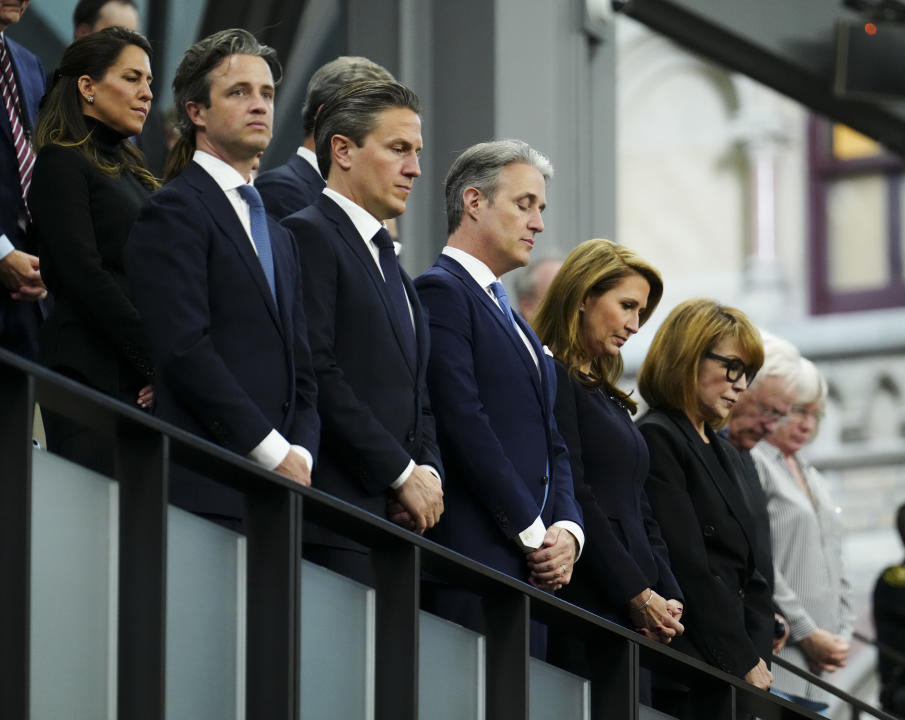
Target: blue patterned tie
389, 265
259, 233
499, 292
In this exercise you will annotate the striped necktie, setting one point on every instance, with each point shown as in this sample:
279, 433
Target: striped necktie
25, 156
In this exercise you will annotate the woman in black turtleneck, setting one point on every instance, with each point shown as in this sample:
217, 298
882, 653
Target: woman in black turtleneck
88, 186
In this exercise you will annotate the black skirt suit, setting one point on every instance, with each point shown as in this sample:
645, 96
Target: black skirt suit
694, 492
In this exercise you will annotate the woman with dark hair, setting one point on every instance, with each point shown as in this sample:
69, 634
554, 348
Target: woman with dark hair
89, 183
700, 361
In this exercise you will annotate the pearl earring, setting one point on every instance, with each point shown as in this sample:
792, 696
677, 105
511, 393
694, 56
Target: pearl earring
91, 99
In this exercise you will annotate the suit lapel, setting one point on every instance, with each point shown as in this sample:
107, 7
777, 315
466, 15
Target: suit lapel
356, 245
224, 215
727, 485
500, 318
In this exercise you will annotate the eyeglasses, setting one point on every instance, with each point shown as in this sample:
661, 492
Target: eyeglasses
801, 412
735, 368
769, 413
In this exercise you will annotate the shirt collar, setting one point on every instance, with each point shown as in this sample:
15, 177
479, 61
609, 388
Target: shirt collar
479, 272
307, 155
365, 223
225, 175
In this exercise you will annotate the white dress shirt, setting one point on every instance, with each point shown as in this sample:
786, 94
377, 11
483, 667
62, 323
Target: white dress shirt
272, 450
532, 537
309, 157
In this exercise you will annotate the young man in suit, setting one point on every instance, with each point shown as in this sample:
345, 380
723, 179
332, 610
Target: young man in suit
21, 89
367, 330
510, 502
217, 282
298, 182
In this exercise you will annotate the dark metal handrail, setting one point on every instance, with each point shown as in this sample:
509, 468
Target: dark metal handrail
276, 509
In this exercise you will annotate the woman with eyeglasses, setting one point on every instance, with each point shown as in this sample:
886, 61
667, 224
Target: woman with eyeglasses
700, 361
812, 591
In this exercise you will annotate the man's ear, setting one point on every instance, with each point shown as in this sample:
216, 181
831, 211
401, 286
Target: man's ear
197, 113
472, 199
342, 148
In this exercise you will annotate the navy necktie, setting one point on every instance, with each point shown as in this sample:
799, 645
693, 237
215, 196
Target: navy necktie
499, 292
389, 265
259, 233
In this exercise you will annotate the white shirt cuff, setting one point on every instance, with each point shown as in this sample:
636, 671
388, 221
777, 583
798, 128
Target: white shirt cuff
6, 247
271, 451
532, 538
409, 469
306, 456
576, 532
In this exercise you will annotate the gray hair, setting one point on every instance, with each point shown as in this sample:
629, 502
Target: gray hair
480, 166
812, 387
526, 281
333, 77
781, 360
353, 112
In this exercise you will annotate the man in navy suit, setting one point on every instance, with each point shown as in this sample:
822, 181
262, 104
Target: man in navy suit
509, 495
368, 333
21, 89
297, 183
217, 282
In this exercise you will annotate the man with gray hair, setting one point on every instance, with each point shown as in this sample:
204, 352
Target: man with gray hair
296, 184
509, 497
532, 284
757, 413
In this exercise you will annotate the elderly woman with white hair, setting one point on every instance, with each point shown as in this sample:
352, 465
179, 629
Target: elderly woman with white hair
811, 589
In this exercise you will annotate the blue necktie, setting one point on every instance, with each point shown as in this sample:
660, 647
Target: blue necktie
499, 292
389, 264
259, 233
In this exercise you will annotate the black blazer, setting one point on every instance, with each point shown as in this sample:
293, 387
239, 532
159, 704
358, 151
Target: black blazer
231, 364
291, 187
696, 498
624, 550
374, 405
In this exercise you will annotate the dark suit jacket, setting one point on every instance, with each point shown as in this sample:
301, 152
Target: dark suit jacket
290, 187
19, 321
374, 405
230, 365
494, 421
625, 552
696, 499
29, 75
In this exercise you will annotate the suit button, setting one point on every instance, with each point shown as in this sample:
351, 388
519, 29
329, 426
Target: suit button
544, 480
285, 406
741, 593
709, 531
411, 436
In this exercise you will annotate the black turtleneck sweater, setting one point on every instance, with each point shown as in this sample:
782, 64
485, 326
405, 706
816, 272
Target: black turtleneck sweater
82, 218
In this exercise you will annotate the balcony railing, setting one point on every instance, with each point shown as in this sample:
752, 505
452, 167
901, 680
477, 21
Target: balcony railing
271, 629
